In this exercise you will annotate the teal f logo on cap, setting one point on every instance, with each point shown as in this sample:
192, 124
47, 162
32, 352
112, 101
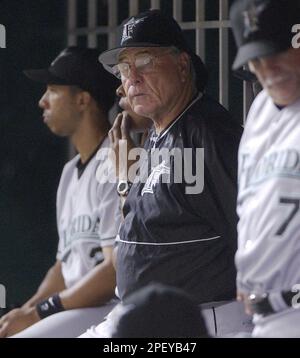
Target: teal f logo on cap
250, 21
129, 28
252, 16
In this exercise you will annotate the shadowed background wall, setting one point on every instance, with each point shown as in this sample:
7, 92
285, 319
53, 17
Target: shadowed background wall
31, 157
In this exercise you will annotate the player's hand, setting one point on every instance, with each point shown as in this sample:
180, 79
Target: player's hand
120, 130
241, 297
17, 320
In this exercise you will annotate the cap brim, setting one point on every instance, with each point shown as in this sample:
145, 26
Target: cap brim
44, 76
254, 50
111, 57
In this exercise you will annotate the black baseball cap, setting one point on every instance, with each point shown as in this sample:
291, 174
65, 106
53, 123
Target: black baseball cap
152, 28
76, 66
262, 27
159, 311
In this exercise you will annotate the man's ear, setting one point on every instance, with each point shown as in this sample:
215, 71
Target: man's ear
184, 66
83, 99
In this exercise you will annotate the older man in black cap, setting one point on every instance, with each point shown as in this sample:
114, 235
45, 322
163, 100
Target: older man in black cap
269, 188
77, 290
178, 230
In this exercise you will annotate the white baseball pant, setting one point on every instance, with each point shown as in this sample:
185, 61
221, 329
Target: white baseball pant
67, 324
226, 319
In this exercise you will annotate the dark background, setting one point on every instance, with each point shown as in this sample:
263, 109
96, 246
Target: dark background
31, 157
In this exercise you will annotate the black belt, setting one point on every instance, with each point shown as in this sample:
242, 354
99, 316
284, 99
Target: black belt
261, 304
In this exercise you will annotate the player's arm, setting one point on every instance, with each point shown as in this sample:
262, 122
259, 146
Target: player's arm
52, 283
21, 318
121, 131
95, 288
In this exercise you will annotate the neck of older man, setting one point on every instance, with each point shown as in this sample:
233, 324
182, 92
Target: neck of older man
167, 115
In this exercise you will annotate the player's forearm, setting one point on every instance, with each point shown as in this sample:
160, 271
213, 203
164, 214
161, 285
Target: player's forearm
94, 289
52, 283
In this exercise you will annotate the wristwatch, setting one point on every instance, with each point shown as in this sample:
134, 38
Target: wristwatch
123, 187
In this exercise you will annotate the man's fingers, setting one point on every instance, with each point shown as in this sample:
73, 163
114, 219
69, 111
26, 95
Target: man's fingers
239, 297
3, 330
111, 137
125, 126
115, 130
2, 320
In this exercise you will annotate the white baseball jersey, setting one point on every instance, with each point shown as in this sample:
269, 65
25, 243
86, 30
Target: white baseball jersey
268, 253
88, 218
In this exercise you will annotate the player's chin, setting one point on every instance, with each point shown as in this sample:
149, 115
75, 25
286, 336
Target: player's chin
285, 95
283, 98
148, 106
142, 110
57, 131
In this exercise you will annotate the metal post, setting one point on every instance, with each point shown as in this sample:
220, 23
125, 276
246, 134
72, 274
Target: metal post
155, 4
92, 23
177, 10
112, 22
223, 55
200, 32
72, 13
133, 7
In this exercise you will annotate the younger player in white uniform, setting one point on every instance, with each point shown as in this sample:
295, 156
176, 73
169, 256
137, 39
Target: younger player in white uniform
79, 289
268, 253
86, 217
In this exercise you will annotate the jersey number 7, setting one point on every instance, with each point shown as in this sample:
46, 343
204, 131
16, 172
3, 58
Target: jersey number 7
295, 208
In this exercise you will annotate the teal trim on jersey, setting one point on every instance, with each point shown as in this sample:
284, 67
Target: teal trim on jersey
81, 236
108, 238
81, 166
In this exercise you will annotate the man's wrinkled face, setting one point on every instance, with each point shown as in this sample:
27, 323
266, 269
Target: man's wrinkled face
152, 79
138, 122
279, 74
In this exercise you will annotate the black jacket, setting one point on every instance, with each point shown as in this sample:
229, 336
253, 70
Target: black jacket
181, 239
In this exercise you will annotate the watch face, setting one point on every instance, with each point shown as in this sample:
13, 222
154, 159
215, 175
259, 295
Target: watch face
122, 186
